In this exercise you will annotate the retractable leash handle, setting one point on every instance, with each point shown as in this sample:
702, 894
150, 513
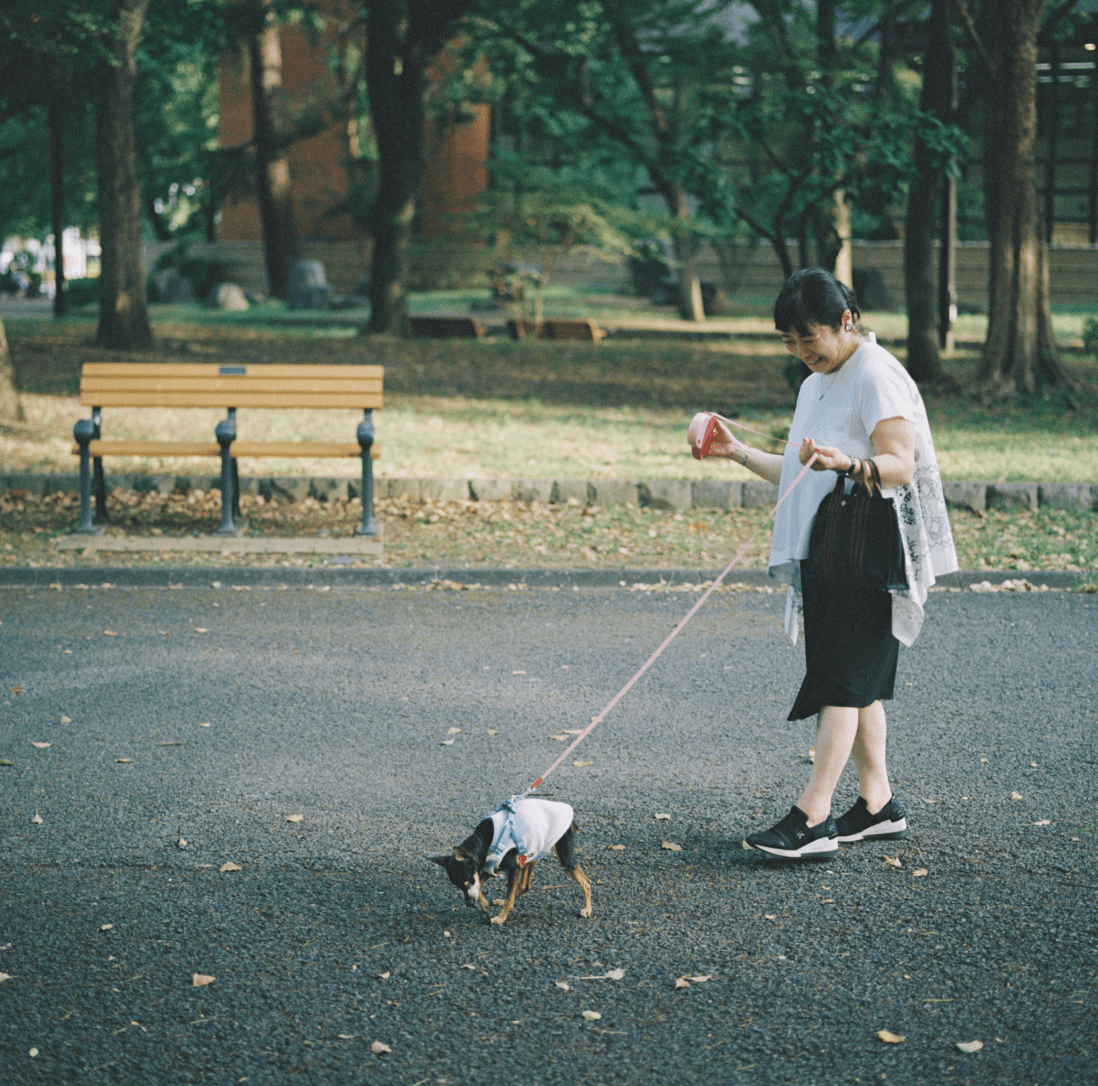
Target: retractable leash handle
703, 428
595, 721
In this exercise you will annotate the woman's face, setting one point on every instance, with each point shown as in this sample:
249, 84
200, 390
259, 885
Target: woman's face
824, 349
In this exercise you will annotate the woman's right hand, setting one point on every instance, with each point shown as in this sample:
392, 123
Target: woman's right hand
722, 443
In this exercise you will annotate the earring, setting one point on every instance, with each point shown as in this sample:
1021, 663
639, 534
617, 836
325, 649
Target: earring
849, 327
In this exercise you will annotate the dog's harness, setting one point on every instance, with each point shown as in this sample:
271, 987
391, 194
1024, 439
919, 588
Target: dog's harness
517, 827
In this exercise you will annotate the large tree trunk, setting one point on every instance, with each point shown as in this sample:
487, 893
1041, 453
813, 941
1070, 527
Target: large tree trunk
690, 294
924, 361
1020, 353
123, 311
274, 192
11, 410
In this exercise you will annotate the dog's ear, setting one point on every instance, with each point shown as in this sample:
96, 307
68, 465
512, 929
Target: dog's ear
462, 853
442, 861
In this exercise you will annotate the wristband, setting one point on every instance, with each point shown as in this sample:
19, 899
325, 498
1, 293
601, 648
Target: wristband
746, 454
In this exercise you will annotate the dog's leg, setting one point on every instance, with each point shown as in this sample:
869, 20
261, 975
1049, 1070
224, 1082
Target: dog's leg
565, 849
514, 878
524, 878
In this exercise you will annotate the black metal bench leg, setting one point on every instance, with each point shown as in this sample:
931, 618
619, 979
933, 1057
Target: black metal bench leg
365, 436
225, 432
84, 431
100, 485
236, 490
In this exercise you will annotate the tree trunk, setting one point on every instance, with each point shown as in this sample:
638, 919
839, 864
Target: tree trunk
11, 410
57, 198
395, 81
1020, 353
924, 361
274, 193
690, 295
123, 311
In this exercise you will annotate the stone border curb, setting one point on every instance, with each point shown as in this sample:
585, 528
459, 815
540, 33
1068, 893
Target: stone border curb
671, 494
340, 576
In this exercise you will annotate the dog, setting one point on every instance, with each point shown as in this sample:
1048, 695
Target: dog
511, 841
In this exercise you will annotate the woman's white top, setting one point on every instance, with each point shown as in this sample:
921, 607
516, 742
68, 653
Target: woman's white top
841, 410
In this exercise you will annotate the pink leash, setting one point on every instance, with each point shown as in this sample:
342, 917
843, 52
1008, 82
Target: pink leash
671, 636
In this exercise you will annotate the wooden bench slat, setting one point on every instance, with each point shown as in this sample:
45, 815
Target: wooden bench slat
229, 384
210, 369
346, 400
318, 449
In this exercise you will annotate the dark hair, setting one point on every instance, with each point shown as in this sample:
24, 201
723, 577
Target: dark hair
813, 296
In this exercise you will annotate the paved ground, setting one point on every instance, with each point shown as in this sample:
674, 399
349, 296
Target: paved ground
337, 932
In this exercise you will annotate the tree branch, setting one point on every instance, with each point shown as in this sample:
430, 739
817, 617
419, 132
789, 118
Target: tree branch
970, 27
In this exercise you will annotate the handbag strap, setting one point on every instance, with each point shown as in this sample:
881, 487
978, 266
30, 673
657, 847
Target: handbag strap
875, 481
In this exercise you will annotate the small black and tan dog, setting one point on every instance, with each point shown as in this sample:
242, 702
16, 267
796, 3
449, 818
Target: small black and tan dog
511, 841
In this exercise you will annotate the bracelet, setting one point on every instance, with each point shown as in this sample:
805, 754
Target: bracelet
851, 471
745, 456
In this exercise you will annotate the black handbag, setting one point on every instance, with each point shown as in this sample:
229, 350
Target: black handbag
856, 537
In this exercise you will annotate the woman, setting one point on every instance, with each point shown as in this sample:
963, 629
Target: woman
859, 403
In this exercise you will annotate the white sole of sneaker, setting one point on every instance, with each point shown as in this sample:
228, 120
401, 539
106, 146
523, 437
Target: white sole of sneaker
823, 849
882, 831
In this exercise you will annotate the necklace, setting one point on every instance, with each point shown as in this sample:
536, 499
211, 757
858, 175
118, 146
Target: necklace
835, 372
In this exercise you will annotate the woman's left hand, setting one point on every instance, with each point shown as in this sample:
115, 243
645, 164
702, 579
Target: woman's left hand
827, 458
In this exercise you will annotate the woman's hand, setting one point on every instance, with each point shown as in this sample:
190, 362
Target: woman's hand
827, 458
721, 444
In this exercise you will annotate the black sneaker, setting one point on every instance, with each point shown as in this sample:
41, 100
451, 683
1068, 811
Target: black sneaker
794, 839
858, 824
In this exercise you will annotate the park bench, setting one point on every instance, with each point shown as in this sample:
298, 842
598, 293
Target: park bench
582, 329
158, 384
446, 327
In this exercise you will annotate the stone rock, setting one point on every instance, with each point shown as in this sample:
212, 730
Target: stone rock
327, 488
565, 490
716, 494
759, 494
444, 490
1075, 496
1012, 496
308, 287
532, 490
612, 492
490, 490
227, 296
673, 494
966, 495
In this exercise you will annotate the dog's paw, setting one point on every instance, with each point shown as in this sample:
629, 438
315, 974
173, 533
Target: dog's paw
497, 919
585, 912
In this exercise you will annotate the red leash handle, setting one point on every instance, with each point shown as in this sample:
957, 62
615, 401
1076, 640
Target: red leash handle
670, 637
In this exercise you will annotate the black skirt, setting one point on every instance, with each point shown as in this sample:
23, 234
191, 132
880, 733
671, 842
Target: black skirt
849, 647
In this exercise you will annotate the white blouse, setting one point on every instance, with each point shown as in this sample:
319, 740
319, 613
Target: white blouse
841, 410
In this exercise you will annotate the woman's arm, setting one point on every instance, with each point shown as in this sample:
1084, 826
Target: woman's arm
766, 465
893, 453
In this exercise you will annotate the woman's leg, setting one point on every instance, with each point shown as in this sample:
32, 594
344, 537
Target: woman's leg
836, 731
869, 757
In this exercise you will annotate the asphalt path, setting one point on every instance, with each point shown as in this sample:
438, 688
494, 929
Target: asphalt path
214, 715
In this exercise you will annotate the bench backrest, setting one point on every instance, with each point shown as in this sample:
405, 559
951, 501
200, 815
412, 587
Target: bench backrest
200, 384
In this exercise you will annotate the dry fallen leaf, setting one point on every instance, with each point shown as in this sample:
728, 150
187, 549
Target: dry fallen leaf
346, 1036
206, 724
16, 689
41, 746
182, 842
4, 977
200, 980
106, 927
384, 976
889, 1037
682, 982
671, 846
1016, 795
983, 759
560, 738
469, 966
446, 742
230, 866
377, 1047
1044, 822
201, 629
662, 817
452, 731
769, 916
1032, 765
492, 731
893, 861
592, 1016
970, 1046
582, 765
124, 760
615, 974
37, 820
563, 985
109, 633
617, 848
66, 720
701, 979
4, 761
295, 818
919, 872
